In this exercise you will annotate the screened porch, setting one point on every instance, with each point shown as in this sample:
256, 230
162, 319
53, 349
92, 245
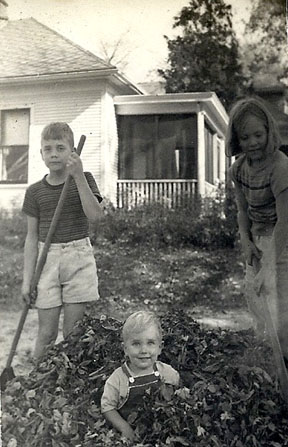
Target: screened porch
169, 149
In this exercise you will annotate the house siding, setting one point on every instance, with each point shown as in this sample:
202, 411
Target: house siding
109, 148
84, 117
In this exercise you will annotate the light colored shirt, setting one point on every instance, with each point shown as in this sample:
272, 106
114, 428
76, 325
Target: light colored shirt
115, 392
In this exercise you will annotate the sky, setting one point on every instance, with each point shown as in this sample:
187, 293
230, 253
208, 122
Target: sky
141, 24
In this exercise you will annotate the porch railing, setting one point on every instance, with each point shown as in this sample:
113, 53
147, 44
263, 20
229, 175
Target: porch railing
170, 193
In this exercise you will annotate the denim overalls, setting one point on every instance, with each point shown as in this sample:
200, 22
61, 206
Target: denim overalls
136, 389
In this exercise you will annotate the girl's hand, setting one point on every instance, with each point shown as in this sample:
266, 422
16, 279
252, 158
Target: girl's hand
260, 278
128, 432
74, 165
250, 250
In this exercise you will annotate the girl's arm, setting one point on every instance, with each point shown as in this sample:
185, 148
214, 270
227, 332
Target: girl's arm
30, 255
120, 424
244, 223
90, 204
281, 228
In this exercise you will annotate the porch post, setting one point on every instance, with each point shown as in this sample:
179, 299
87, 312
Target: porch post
216, 174
222, 162
201, 153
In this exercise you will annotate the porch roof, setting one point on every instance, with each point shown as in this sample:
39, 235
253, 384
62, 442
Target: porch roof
170, 103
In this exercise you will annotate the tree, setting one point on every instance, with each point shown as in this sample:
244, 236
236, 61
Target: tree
265, 48
118, 51
205, 56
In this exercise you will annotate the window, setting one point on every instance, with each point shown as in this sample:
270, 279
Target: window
157, 146
14, 145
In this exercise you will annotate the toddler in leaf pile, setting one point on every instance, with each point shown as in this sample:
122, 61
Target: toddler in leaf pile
124, 389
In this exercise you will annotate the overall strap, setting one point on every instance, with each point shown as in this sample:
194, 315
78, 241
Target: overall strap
131, 379
126, 371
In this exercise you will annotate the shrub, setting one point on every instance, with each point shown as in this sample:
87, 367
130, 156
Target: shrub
13, 228
206, 223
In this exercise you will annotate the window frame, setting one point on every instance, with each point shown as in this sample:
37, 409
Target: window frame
24, 146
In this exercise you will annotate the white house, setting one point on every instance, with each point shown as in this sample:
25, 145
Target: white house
137, 145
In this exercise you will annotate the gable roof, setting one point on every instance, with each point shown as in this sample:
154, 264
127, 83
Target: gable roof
29, 48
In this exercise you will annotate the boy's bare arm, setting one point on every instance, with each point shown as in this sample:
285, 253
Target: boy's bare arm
119, 423
90, 204
30, 255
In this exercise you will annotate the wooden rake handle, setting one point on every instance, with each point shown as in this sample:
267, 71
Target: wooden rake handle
43, 257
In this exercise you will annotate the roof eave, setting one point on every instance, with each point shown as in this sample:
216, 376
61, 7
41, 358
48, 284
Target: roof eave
207, 101
165, 98
279, 88
120, 79
111, 74
79, 75
192, 97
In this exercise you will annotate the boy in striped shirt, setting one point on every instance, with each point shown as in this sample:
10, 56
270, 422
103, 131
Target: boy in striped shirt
69, 277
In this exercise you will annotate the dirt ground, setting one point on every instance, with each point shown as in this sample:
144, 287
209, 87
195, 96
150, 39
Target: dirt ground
22, 362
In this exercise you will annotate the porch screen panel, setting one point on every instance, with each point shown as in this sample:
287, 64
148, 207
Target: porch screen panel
14, 144
157, 146
185, 146
208, 155
136, 140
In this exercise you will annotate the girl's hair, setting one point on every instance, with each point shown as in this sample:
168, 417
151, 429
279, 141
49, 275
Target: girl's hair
138, 322
58, 131
240, 110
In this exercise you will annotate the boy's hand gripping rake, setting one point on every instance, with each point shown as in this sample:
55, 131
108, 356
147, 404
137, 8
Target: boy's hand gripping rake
8, 373
274, 340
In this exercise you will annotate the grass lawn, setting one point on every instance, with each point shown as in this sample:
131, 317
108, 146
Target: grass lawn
207, 284
187, 278
136, 276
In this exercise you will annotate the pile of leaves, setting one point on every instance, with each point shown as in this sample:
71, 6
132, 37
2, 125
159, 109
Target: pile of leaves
228, 394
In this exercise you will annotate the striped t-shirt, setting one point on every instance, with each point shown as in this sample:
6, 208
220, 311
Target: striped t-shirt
261, 185
41, 200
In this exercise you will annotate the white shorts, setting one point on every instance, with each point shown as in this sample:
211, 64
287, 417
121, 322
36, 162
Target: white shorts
69, 275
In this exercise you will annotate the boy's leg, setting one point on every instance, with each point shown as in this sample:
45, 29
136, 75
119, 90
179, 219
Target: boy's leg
48, 321
72, 313
48, 300
79, 281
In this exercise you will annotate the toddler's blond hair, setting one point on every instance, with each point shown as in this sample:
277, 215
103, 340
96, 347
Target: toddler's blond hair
138, 322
